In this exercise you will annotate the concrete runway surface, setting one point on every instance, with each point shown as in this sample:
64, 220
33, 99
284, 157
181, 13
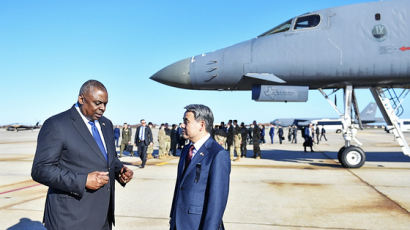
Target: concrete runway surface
286, 189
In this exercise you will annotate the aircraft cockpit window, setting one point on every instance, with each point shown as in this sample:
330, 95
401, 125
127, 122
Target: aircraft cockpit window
281, 28
309, 21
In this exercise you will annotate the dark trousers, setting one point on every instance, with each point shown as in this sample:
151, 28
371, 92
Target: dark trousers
256, 149
271, 139
142, 151
243, 148
116, 141
323, 135
174, 147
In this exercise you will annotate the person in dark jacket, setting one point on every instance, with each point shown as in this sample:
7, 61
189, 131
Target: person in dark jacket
308, 138
117, 134
280, 134
256, 138
271, 133
76, 159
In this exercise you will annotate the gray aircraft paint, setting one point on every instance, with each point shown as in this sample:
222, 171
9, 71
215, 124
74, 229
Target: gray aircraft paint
348, 47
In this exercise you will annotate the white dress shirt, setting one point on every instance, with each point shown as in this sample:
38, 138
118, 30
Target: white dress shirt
97, 124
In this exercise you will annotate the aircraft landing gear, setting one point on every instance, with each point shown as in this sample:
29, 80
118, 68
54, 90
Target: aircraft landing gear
351, 157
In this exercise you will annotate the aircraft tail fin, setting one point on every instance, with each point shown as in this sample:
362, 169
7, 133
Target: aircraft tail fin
369, 113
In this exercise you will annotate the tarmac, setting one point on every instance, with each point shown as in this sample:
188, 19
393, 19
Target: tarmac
286, 189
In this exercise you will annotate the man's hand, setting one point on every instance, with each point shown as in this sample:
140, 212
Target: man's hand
96, 180
125, 175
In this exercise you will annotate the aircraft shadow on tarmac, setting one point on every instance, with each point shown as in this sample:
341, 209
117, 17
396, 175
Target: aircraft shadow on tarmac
26, 223
315, 158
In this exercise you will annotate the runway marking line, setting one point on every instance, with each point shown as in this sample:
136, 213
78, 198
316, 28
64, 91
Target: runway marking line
18, 189
162, 163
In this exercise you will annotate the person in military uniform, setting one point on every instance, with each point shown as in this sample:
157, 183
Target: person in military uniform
125, 138
256, 137
167, 140
161, 141
220, 136
280, 134
229, 138
174, 140
244, 135
150, 148
295, 134
237, 140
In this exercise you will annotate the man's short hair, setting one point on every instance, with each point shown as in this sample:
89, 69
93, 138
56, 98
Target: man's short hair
90, 84
202, 113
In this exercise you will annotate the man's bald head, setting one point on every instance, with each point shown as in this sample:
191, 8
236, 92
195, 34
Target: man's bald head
89, 85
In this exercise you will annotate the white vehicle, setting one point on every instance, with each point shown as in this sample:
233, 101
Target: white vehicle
404, 125
329, 124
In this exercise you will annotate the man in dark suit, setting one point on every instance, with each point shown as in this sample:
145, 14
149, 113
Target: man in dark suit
143, 138
202, 186
76, 159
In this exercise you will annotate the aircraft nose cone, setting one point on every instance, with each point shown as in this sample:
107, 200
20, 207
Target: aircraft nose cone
176, 75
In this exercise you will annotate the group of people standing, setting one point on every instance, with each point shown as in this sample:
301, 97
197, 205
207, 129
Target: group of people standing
292, 134
234, 138
169, 139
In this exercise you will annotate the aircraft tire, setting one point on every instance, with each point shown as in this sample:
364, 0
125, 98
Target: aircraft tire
339, 154
352, 157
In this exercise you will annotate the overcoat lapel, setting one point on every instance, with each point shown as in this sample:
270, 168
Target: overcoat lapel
85, 133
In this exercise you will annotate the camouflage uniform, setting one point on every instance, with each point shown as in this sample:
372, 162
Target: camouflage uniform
161, 142
237, 140
256, 137
125, 139
167, 139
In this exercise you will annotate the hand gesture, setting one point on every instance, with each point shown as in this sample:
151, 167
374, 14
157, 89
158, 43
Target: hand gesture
96, 180
125, 175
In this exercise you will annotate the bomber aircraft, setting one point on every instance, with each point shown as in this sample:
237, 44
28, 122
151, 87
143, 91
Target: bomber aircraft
368, 115
19, 127
364, 45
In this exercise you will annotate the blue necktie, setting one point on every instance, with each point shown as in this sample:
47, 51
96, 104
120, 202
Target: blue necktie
97, 139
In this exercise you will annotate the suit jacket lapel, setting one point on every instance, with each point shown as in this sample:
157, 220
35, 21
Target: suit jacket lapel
200, 155
106, 133
85, 133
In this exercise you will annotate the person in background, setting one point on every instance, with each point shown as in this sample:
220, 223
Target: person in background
308, 138
295, 134
125, 139
323, 133
174, 140
280, 134
117, 134
143, 138
256, 138
161, 141
263, 134
271, 133
244, 135
150, 148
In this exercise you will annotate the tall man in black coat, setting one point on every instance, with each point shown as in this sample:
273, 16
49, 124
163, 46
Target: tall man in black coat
143, 138
76, 159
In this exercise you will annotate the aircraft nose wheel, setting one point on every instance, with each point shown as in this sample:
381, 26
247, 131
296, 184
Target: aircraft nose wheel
351, 157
